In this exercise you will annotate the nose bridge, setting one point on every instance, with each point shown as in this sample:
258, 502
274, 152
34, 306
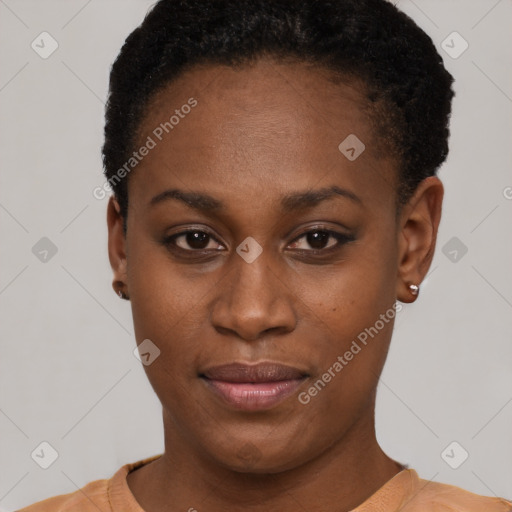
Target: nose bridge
252, 279
254, 299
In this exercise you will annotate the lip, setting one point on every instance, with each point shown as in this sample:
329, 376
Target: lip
253, 387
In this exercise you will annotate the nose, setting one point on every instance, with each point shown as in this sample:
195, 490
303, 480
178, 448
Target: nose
253, 300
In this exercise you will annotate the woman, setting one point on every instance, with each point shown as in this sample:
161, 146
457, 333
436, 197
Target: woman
275, 201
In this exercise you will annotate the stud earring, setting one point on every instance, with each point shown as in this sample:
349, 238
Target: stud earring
414, 289
118, 289
120, 292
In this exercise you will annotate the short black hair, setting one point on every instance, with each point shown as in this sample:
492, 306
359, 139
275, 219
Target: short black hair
406, 81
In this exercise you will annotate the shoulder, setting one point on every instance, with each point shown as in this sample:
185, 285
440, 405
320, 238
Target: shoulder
439, 497
106, 495
92, 497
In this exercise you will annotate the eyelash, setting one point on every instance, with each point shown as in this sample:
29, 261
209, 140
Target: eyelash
341, 239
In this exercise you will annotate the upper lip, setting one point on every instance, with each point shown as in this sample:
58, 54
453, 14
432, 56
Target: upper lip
260, 372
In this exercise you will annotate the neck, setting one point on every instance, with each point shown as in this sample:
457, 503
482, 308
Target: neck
340, 479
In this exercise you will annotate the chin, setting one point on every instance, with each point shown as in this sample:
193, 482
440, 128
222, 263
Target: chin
259, 458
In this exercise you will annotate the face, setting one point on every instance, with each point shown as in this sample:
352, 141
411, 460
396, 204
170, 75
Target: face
253, 238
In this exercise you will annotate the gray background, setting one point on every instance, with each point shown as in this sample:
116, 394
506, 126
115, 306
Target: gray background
67, 372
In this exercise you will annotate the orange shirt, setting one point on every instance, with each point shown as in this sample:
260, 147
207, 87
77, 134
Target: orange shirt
405, 492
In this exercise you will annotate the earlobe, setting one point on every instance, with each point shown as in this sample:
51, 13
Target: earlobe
419, 223
117, 248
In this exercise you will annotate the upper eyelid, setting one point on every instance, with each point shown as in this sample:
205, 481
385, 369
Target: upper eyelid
298, 237
174, 236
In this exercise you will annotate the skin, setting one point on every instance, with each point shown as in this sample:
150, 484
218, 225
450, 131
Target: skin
257, 134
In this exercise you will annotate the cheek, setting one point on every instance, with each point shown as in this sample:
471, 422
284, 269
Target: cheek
336, 305
351, 314
167, 305
163, 291
351, 319
167, 309
351, 296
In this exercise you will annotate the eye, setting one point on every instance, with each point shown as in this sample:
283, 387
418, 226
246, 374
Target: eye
320, 240
192, 241
200, 242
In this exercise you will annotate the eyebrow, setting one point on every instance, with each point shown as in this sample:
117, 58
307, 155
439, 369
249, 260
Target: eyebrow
291, 202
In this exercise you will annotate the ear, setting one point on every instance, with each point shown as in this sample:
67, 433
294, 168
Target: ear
117, 247
418, 226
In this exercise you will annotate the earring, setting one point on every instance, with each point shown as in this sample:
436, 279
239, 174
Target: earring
414, 289
118, 285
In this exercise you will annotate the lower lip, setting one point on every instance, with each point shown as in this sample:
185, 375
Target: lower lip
254, 397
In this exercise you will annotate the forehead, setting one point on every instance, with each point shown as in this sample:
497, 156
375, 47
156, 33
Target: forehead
268, 126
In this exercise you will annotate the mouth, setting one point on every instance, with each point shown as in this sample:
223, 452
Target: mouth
253, 387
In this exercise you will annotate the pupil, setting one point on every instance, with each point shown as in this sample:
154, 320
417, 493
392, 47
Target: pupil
317, 239
197, 239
